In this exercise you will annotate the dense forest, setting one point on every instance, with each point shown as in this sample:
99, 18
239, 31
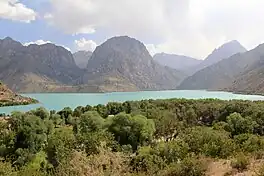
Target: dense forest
150, 137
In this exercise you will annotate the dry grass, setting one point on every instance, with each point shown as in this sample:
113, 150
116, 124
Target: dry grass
223, 168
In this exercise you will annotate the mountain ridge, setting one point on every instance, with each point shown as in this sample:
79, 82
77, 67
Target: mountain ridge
52, 68
179, 62
39, 65
128, 59
225, 51
221, 76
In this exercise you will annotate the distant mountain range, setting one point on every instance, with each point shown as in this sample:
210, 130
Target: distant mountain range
225, 51
249, 77
179, 62
241, 73
82, 57
119, 64
217, 69
124, 64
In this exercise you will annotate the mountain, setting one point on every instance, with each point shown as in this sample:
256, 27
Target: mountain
242, 71
81, 58
124, 64
9, 98
178, 62
251, 79
223, 52
35, 68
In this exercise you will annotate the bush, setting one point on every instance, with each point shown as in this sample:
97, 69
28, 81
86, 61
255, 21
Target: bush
240, 163
148, 160
188, 167
6, 168
103, 163
239, 125
204, 140
172, 151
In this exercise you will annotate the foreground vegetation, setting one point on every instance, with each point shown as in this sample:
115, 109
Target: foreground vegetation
151, 137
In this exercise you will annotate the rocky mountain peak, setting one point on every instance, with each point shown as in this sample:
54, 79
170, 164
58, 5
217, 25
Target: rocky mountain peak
128, 59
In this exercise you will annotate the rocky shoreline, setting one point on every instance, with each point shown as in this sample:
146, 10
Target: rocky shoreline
9, 98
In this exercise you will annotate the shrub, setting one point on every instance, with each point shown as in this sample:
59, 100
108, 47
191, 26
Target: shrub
188, 167
6, 168
103, 163
148, 160
214, 143
172, 151
239, 125
240, 163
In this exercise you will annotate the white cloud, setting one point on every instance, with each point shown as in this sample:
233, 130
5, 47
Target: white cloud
42, 42
189, 27
38, 42
83, 44
16, 11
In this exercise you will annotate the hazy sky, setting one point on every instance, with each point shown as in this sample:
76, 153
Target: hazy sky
190, 27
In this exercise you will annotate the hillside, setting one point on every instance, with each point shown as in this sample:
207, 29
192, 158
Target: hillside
225, 51
251, 80
234, 70
9, 98
120, 64
34, 68
81, 58
124, 64
179, 62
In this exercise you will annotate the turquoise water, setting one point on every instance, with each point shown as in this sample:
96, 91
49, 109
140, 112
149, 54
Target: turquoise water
57, 101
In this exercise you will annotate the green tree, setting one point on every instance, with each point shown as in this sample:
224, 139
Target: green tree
210, 142
239, 125
42, 113
102, 110
148, 160
60, 146
134, 130
7, 139
90, 121
56, 119
31, 133
66, 113
78, 111
114, 108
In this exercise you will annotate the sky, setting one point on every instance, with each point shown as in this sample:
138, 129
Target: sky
186, 27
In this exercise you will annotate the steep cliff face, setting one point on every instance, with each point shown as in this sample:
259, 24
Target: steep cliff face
35, 65
125, 62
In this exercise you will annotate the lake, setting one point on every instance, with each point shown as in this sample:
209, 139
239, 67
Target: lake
57, 101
